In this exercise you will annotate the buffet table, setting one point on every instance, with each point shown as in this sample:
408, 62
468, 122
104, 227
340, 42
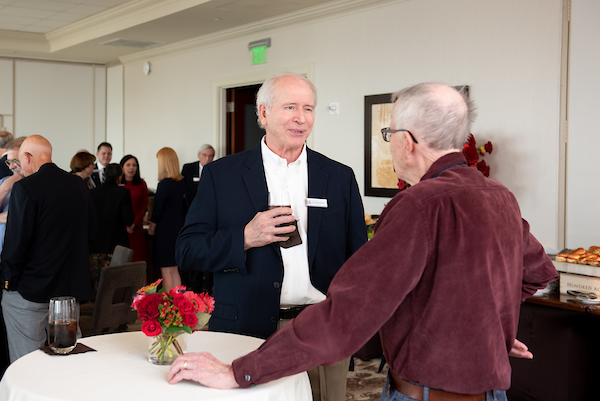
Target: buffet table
562, 332
119, 370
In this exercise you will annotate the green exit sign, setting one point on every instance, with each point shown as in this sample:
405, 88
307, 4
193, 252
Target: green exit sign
259, 55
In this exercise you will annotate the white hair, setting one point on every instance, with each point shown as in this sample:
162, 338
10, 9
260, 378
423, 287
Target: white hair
443, 122
204, 147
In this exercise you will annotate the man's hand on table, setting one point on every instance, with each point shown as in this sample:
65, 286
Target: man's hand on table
203, 368
520, 350
262, 228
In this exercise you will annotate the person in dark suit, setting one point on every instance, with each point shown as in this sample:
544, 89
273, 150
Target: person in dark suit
51, 220
191, 172
103, 156
196, 281
258, 285
115, 214
5, 138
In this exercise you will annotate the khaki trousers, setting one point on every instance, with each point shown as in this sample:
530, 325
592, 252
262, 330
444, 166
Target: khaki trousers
328, 383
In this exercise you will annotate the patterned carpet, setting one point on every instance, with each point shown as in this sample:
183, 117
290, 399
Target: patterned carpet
365, 384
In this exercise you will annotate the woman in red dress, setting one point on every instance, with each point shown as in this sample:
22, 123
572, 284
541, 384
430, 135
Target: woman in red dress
139, 199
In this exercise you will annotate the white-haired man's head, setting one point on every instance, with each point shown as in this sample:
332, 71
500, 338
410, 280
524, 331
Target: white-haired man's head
268, 91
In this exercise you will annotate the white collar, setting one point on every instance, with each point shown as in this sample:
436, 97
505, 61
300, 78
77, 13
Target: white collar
271, 158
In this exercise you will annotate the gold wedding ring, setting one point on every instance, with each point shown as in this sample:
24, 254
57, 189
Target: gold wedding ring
185, 365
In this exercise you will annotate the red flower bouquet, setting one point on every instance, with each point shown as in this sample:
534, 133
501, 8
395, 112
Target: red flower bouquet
165, 316
472, 153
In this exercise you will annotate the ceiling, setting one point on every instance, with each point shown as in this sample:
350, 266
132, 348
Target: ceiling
75, 30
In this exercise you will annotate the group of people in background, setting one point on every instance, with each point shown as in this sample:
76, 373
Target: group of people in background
115, 207
120, 196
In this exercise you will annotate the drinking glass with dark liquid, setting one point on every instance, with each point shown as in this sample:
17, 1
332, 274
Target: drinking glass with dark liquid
282, 199
62, 325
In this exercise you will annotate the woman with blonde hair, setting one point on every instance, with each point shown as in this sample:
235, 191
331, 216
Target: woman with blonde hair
168, 215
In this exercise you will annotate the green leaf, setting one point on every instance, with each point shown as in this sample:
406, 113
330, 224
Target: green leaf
203, 319
177, 329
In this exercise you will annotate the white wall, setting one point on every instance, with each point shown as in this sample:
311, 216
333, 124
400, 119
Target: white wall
6, 93
508, 52
583, 221
114, 111
65, 102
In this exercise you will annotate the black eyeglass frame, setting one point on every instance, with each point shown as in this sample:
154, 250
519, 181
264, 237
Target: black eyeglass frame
387, 133
9, 162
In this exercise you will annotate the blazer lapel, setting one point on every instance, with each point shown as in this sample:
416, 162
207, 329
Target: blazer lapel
255, 181
256, 184
317, 188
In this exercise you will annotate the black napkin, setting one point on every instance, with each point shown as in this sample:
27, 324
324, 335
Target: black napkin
79, 349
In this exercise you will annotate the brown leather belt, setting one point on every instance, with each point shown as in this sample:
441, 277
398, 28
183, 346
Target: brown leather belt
416, 392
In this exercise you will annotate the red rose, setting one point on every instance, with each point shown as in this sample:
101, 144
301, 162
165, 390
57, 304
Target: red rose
471, 140
484, 168
488, 147
148, 307
151, 328
190, 320
471, 154
186, 307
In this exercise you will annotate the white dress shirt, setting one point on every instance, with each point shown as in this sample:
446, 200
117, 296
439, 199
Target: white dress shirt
101, 172
293, 178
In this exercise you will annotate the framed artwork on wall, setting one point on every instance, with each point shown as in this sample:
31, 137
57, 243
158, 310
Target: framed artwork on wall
380, 178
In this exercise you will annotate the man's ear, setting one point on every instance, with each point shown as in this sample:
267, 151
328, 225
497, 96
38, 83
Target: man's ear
409, 144
262, 114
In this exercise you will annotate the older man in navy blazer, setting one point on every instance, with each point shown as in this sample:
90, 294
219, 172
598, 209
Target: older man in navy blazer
259, 285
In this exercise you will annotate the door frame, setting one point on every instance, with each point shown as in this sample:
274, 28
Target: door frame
220, 87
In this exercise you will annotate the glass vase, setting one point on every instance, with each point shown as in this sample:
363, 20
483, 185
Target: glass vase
165, 348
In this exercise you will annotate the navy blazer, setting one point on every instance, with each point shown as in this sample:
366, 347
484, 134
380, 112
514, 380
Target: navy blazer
247, 285
51, 221
189, 172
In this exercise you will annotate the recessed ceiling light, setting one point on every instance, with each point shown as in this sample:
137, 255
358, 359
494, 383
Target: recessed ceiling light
217, 19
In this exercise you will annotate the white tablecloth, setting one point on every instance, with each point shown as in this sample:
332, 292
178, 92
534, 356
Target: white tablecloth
120, 370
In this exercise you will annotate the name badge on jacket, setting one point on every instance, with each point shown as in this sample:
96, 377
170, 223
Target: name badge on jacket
314, 202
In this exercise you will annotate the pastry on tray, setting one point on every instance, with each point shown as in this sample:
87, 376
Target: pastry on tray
581, 256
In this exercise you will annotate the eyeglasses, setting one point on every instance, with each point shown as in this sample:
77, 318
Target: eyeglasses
15, 161
387, 133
